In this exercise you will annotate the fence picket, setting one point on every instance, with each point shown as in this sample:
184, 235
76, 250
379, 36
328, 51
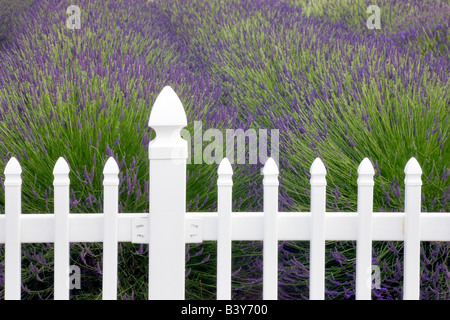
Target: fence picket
413, 183
61, 184
13, 209
364, 241
111, 193
270, 249
224, 244
317, 244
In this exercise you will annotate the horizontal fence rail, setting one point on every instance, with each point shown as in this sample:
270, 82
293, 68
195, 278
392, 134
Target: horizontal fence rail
168, 227
247, 226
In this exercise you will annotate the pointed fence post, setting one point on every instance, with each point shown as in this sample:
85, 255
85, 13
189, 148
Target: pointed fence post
364, 241
413, 183
270, 245
13, 209
317, 244
111, 199
224, 244
61, 185
167, 154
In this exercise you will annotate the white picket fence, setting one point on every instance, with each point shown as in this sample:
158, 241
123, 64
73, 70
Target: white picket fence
168, 227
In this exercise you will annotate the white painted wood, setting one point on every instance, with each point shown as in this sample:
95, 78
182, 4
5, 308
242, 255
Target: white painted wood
270, 246
364, 241
247, 226
110, 243
434, 226
411, 277
224, 244
167, 154
61, 185
193, 230
13, 208
139, 230
317, 244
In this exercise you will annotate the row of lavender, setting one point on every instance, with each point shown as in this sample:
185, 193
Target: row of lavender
333, 88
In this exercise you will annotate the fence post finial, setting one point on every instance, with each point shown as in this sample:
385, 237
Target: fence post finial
270, 172
12, 172
167, 118
61, 167
225, 167
167, 110
111, 167
111, 172
318, 173
413, 173
270, 167
225, 172
365, 173
61, 172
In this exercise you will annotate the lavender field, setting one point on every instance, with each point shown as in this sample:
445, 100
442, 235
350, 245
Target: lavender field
334, 89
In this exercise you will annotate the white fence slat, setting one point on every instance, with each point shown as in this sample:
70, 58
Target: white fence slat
13, 209
224, 244
364, 241
411, 277
110, 243
168, 154
61, 185
317, 244
270, 245
247, 226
